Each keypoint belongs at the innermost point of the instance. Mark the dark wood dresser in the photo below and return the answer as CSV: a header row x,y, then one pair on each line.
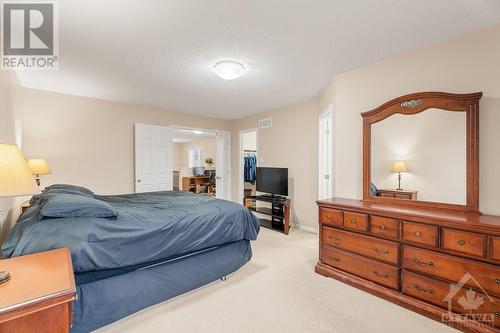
x,y
419,258
440,259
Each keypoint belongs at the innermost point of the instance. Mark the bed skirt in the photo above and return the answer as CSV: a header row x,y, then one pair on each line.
x,y
104,301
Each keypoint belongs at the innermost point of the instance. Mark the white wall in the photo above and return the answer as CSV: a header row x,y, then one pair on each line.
x,y
467,64
10,132
432,144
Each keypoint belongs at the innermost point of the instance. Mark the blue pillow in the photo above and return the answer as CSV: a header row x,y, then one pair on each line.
x,y
68,189
70,205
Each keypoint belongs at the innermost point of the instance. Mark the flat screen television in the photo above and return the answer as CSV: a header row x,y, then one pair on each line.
x,y
272,180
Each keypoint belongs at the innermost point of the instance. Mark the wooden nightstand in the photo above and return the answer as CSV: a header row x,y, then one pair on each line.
x,y
398,194
39,295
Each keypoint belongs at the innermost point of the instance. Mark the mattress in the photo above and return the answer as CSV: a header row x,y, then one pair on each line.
x,y
149,227
106,300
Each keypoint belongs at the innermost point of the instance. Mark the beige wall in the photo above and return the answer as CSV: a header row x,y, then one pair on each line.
x,y
91,142
292,142
10,132
207,150
467,64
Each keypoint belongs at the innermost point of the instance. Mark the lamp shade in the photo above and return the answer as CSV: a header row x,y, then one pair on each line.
x,y
38,166
15,176
399,166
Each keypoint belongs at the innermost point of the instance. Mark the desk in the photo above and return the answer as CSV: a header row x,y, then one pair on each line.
x,y
194,182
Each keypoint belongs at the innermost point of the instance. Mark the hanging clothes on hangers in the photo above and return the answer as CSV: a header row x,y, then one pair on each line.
x,y
250,169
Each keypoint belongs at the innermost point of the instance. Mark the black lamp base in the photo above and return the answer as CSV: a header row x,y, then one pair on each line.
x,y
4,277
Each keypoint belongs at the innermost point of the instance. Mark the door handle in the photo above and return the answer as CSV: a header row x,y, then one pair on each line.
x,y
138,180
218,177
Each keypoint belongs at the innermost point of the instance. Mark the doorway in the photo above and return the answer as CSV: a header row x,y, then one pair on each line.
x,y
248,162
182,159
325,181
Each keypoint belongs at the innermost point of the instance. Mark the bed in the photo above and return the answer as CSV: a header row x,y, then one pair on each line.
x,y
134,250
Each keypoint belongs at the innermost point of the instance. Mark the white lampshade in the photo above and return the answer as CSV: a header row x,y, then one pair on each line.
x,y
38,166
15,176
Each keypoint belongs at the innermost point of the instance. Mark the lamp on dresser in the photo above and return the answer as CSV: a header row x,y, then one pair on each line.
x,y
38,167
398,167
15,179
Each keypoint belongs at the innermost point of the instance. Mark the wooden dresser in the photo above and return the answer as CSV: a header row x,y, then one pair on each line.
x,y
412,255
39,295
399,194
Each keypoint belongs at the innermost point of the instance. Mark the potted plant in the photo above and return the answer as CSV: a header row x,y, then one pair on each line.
x,y
209,162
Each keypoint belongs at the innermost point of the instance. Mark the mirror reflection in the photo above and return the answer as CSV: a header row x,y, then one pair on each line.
x,y
420,157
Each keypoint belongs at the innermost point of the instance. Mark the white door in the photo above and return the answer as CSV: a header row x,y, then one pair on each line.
x,y
325,184
222,165
153,158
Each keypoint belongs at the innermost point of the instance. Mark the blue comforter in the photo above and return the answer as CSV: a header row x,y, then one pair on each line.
x,y
149,226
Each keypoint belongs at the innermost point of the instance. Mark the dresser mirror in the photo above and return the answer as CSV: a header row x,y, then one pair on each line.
x,y
422,149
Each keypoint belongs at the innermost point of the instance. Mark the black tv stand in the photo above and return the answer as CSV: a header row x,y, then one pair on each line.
x,y
279,212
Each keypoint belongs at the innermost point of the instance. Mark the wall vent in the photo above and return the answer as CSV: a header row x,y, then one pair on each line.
x,y
266,123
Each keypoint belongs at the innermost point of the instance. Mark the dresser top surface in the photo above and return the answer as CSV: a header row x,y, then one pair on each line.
x,y
36,278
463,219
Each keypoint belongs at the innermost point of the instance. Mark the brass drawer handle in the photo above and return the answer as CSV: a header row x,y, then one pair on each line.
x,y
386,251
422,263
418,234
331,237
382,227
461,242
497,281
353,222
385,276
427,291
333,258
329,217
497,313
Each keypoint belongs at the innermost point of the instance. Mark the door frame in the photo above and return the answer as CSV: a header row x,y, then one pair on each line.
x,y
241,154
327,111
214,131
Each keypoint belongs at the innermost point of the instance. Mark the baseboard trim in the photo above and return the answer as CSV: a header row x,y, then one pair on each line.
x,y
306,228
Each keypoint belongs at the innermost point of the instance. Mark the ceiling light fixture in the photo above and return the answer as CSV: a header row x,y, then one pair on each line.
x,y
229,69
198,132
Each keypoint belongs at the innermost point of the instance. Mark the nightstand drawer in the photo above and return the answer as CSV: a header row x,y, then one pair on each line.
x,y
330,216
384,226
464,242
420,233
378,272
355,221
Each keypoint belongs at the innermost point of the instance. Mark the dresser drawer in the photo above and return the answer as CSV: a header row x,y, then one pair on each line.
x,y
420,233
384,226
330,216
463,242
495,248
356,221
437,292
452,268
368,246
375,271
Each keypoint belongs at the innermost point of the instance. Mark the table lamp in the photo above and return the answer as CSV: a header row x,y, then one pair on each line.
x,y
15,180
398,167
38,167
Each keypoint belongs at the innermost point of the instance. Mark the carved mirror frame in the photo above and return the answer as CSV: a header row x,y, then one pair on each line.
x,y
416,103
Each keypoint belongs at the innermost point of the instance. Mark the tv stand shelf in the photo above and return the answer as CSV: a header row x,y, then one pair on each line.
x,y
279,212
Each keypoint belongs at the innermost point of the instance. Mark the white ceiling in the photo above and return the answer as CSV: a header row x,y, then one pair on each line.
x,y
160,52
185,135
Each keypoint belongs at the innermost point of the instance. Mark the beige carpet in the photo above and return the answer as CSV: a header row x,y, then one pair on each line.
x,y
277,291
